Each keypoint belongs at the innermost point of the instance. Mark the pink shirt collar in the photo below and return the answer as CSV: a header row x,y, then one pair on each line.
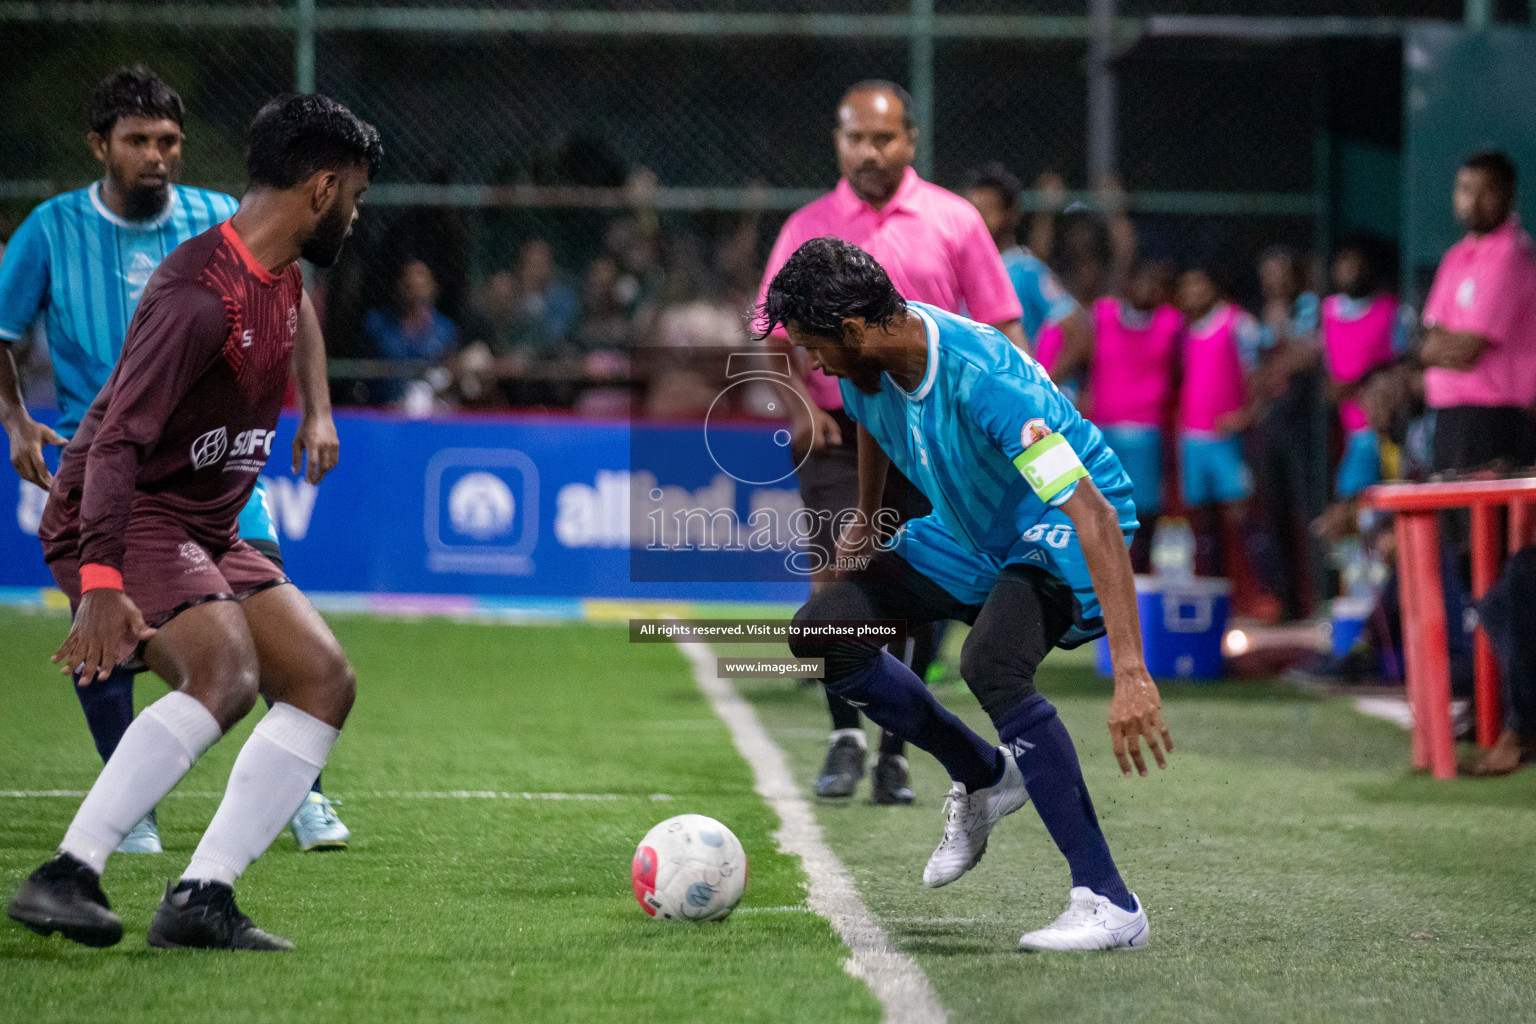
x,y
849,204
1505,232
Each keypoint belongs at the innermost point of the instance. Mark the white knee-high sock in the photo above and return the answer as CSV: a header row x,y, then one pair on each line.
x,y
153,755
271,777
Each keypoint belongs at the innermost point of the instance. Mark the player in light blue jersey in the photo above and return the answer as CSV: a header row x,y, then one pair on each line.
x,y
78,265
1027,542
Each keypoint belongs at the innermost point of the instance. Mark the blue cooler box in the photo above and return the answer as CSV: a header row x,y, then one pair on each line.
x,y
1182,625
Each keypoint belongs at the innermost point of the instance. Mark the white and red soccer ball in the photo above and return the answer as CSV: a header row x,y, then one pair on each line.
x,y
689,868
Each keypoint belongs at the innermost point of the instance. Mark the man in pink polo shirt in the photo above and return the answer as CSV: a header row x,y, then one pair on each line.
x,y
1479,351
1480,321
936,249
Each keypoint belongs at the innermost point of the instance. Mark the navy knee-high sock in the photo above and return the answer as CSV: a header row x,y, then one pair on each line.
x,y
894,698
1048,761
108,706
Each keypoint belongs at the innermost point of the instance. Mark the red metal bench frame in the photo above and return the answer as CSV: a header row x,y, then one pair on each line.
x,y
1423,607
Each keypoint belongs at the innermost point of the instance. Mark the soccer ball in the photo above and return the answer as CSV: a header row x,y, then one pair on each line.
x,y
689,868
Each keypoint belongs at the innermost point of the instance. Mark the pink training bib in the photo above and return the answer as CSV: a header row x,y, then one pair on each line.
x,y
1132,367
1213,371
1355,346
1048,345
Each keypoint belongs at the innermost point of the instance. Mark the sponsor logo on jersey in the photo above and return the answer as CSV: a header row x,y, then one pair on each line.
x,y
137,275
293,320
209,448
249,442
1035,430
1466,292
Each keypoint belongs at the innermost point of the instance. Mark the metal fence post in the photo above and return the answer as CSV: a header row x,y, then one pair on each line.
x,y
1478,14
921,85
1101,91
304,46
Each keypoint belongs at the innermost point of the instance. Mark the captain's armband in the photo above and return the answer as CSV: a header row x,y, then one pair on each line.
x,y
1050,466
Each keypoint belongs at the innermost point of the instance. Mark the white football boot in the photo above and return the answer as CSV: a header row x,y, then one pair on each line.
x,y
969,819
1092,922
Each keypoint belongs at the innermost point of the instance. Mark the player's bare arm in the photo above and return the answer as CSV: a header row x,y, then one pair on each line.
x,y
317,430
1076,346
1135,711
1013,330
1451,350
859,536
106,629
26,435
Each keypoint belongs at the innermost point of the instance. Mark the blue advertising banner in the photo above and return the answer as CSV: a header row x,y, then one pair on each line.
x,y
503,506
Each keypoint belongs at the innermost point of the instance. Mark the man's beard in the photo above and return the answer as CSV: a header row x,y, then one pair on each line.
x,y
865,373
324,246
144,202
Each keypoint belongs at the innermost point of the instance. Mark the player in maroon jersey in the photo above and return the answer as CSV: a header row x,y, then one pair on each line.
x,y
140,533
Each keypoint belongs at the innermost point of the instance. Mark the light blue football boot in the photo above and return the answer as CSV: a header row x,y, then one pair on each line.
x,y
143,837
315,825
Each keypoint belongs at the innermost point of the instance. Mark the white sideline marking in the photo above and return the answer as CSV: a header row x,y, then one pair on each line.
x,y
895,979
391,794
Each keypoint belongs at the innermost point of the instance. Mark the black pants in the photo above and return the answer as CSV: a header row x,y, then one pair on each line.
x,y
1508,613
1469,437
1293,483
1027,611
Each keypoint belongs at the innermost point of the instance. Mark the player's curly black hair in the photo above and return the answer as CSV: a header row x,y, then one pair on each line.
x,y
131,92
293,137
825,282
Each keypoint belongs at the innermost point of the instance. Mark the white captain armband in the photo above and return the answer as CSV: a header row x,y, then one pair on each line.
x,y
1051,467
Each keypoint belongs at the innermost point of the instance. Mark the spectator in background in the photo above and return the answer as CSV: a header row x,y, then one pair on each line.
x,y
1480,352
1130,381
604,321
683,373
1059,335
526,315
1480,327
1293,445
1363,327
1091,250
547,306
413,328
1219,399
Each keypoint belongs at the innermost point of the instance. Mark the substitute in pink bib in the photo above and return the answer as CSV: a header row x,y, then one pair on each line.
x,y
1133,362
1130,378
1358,336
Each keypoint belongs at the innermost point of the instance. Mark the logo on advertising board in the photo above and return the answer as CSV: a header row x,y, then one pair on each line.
x,y
482,511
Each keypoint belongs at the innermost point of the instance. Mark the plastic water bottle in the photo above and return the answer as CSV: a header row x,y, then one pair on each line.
x,y
1173,548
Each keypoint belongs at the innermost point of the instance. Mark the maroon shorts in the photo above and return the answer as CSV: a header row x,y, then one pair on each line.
x,y
165,571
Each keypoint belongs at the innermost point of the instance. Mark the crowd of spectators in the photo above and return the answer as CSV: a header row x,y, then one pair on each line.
x,y
531,332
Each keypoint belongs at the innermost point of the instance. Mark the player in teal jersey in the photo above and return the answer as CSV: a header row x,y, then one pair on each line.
x,y
78,264
1027,542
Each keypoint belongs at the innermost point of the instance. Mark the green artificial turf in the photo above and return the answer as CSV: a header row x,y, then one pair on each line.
x,y
443,909
1292,866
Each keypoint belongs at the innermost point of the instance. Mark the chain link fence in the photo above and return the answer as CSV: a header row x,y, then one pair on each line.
x,y
565,171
